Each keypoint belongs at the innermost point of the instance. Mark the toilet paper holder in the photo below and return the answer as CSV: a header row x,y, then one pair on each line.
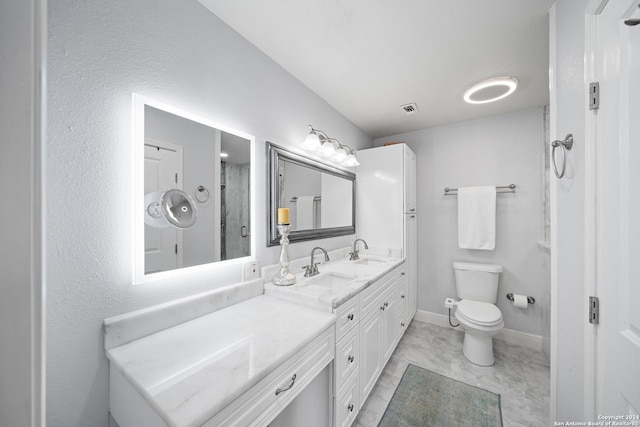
x,y
530,300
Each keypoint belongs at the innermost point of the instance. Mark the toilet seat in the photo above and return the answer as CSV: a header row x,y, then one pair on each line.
x,y
478,313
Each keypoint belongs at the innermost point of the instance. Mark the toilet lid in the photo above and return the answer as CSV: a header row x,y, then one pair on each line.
x,y
478,312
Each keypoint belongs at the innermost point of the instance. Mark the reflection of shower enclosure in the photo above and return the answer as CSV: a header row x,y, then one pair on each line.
x,y
223,210
234,210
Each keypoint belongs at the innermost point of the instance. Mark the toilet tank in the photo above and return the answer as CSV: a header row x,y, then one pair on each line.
x,y
476,281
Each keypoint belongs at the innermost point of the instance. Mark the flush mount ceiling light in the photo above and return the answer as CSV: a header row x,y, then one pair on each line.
x,y
491,90
319,143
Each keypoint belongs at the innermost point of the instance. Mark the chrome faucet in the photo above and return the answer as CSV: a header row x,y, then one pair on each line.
x,y
312,268
353,256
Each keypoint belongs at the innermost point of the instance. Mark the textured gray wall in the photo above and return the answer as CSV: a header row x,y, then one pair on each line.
x,y
177,52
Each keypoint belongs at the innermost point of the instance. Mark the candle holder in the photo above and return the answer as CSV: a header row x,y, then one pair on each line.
x,y
284,277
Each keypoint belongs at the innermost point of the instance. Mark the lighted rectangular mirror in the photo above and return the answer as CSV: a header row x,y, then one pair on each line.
x,y
207,216
320,197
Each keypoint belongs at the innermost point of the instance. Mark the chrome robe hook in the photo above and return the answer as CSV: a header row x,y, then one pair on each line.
x,y
565,144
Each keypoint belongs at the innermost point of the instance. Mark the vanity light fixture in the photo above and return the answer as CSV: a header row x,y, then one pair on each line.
x,y
318,142
223,155
491,90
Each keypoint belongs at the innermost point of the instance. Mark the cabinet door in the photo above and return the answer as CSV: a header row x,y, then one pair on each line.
x,y
411,245
409,181
389,325
370,354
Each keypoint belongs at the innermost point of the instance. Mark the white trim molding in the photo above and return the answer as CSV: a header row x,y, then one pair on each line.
x,y
592,12
23,36
507,335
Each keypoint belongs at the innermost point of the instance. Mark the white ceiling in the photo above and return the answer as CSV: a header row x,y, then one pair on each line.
x,y
366,58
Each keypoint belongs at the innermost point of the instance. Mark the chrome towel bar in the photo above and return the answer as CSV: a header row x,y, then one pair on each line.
x,y
502,189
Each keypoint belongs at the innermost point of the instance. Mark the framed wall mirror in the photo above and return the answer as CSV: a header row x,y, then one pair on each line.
x,y
194,192
320,197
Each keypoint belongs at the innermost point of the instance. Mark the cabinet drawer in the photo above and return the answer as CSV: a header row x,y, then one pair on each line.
x,y
403,293
347,404
402,319
260,404
371,297
348,316
347,358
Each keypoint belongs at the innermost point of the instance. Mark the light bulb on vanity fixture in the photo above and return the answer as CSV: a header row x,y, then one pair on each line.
x,y
320,144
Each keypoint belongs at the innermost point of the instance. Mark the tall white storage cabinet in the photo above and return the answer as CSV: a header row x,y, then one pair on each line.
x,y
386,207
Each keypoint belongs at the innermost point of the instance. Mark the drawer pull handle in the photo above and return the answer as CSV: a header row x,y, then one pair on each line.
x,y
351,359
402,324
382,308
282,390
350,317
386,304
350,407
402,296
402,274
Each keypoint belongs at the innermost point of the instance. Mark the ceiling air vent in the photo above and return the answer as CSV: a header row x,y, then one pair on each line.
x,y
410,108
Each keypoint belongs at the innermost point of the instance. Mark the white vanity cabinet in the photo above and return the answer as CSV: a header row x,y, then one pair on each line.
x,y
269,397
365,346
372,313
347,362
404,313
239,366
380,328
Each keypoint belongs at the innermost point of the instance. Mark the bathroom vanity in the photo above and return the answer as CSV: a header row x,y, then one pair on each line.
x,y
237,357
241,365
369,297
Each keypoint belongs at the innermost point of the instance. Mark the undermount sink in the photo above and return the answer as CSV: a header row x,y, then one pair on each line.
x,y
371,261
331,280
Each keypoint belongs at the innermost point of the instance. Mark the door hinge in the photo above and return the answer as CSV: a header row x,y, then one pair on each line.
x,y
176,248
176,177
594,310
594,95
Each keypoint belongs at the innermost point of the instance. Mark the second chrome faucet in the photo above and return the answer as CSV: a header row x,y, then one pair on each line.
x,y
353,256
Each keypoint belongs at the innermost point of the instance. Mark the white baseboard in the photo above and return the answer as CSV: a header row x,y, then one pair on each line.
x,y
508,335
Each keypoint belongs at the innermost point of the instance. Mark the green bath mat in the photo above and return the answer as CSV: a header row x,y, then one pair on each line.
x,y
424,398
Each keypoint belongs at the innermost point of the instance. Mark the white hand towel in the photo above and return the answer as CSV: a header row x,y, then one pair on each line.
x,y
477,217
305,213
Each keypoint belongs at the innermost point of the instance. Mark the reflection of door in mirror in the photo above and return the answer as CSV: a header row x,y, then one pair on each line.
x,y
162,171
200,163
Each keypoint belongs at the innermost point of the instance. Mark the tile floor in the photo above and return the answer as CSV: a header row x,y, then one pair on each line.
x,y
520,375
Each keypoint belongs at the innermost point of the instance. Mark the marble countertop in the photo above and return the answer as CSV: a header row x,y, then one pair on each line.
x,y
189,372
314,295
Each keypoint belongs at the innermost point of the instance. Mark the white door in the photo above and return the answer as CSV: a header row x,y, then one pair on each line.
x,y
162,171
617,68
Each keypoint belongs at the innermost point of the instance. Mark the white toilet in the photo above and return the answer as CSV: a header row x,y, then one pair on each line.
x,y
477,288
